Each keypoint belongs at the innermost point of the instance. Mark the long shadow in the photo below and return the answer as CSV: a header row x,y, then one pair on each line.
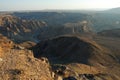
x,y
64,50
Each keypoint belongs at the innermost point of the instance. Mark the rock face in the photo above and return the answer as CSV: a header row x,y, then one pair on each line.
x,y
20,64
16,28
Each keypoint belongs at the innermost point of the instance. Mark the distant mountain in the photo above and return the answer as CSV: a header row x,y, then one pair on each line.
x,y
98,20
19,29
114,10
52,18
81,27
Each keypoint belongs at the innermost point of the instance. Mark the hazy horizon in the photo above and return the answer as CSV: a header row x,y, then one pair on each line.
x,y
15,5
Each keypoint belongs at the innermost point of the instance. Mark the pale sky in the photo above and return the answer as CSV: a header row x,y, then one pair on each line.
x,y
13,5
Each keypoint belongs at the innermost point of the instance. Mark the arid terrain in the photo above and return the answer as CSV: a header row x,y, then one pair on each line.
x,y
59,45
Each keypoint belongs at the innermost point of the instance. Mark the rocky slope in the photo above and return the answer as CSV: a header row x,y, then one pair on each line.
x,y
18,29
99,62
20,64
72,57
77,56
73,48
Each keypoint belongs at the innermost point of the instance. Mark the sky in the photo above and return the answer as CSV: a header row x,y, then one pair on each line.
x,y
16,5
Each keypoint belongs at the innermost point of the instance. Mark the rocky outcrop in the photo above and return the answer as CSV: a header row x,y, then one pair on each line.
x,y
20,64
